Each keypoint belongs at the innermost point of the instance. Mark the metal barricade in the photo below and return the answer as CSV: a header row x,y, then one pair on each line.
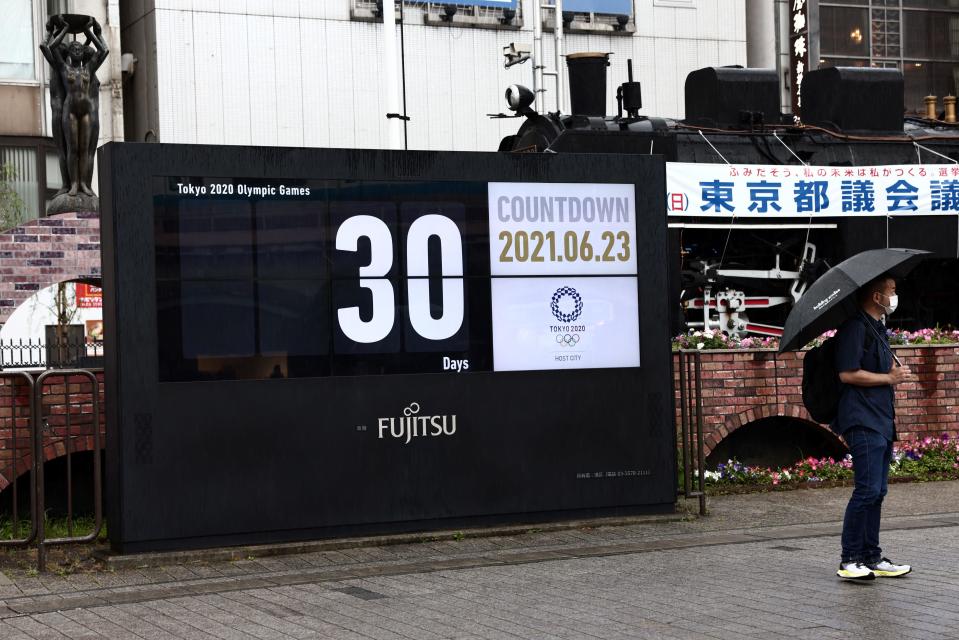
x,y
10,455
74,414
67,435
692,443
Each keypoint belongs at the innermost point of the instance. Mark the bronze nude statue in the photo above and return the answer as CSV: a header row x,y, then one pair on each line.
x,y
75,102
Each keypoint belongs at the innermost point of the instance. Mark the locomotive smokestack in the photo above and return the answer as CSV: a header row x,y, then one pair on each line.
x,y
587,83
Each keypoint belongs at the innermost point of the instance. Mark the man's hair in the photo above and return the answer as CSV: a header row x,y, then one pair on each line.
x,y
876,285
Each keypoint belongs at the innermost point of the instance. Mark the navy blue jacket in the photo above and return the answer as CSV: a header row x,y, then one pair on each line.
x,y
871,407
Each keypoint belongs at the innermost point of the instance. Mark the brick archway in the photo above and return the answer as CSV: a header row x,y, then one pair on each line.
x,y
66,413
772,410
43,252
51,451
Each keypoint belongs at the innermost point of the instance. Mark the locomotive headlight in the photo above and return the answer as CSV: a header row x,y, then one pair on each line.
x,y
519,98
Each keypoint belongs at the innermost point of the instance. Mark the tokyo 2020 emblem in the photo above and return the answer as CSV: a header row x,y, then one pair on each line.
x,y
574,299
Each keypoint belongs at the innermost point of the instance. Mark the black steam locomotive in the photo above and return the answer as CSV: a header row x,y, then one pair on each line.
x,y
742,276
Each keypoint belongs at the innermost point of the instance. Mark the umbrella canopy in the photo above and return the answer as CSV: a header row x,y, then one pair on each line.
x,y
831,299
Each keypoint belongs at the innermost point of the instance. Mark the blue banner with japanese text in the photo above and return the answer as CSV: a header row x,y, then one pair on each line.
x,y
775,191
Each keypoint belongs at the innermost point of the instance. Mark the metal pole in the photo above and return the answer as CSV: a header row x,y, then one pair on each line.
x,y
406,136
560,53
37,422
684,421
394,126
538,56
700,445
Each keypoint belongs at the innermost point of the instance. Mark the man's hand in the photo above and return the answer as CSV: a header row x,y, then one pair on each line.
x,y
898,374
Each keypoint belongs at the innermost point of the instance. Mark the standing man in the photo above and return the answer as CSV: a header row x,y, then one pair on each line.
x,y
866,421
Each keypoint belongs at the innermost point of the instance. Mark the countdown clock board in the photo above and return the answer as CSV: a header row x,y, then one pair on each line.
x,y
305,343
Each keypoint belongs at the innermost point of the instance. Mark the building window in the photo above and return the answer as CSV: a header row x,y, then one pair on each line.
x,y
32,171
16,41
844,32
921,37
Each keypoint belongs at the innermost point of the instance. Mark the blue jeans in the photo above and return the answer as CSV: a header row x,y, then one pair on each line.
x,y
871,455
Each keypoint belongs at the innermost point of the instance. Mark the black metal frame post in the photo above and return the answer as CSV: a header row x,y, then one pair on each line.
x,y
691,429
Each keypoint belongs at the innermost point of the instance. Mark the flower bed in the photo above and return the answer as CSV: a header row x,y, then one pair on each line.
x,y
922,460
718,340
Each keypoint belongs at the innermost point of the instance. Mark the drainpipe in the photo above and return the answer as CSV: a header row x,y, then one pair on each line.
x,y
112,33
538,56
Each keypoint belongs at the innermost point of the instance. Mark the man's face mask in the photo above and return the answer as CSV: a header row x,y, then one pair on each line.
x,y
893,303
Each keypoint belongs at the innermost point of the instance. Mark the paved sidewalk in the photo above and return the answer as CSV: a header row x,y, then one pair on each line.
x,y
760,566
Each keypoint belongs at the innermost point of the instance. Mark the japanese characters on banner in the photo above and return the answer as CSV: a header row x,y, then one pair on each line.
x,y
764,191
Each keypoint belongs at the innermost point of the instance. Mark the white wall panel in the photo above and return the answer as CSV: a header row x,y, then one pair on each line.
x,y
315,9
644,53
705,20
644,18
438,85
340,79
668,84
490,87
177,5
208,71
664,22
707,53
732,52
463,69
289,82
687,59
178,42
368,83
166,85
263,86
729,22
301,72
417,97
230,7
316,94
237,101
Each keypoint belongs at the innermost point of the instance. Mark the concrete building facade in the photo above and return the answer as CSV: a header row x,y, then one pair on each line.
x,y
309,73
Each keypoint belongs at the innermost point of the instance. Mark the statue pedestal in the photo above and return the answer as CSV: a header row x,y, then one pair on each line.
x,y
65,203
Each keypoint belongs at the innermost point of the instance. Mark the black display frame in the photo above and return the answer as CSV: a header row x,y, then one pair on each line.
x,y
199,464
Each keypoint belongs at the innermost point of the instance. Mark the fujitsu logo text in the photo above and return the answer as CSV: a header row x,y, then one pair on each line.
x,y
411,425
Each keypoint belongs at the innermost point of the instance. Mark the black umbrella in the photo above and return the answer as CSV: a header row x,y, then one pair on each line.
x,y
831,299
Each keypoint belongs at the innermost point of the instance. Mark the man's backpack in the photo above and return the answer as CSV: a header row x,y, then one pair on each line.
x,y
821,387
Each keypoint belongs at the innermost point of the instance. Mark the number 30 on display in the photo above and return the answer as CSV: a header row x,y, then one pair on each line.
x,y
374,277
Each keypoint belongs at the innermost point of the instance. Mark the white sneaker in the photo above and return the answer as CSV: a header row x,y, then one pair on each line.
x,y
855,571
885,568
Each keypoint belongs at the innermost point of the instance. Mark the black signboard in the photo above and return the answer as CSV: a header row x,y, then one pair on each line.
x,y
306,343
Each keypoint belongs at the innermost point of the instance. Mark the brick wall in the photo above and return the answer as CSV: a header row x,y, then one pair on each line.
x,y
739,387
742,386
67,418
43,252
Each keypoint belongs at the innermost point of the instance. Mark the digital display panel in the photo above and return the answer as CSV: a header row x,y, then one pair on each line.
x,y
277,278
310,343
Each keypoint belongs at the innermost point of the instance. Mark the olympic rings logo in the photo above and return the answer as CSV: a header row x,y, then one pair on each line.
x,y
561,293
568,339
412,410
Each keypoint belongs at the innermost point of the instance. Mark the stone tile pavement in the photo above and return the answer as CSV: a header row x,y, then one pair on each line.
x,y
760,566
